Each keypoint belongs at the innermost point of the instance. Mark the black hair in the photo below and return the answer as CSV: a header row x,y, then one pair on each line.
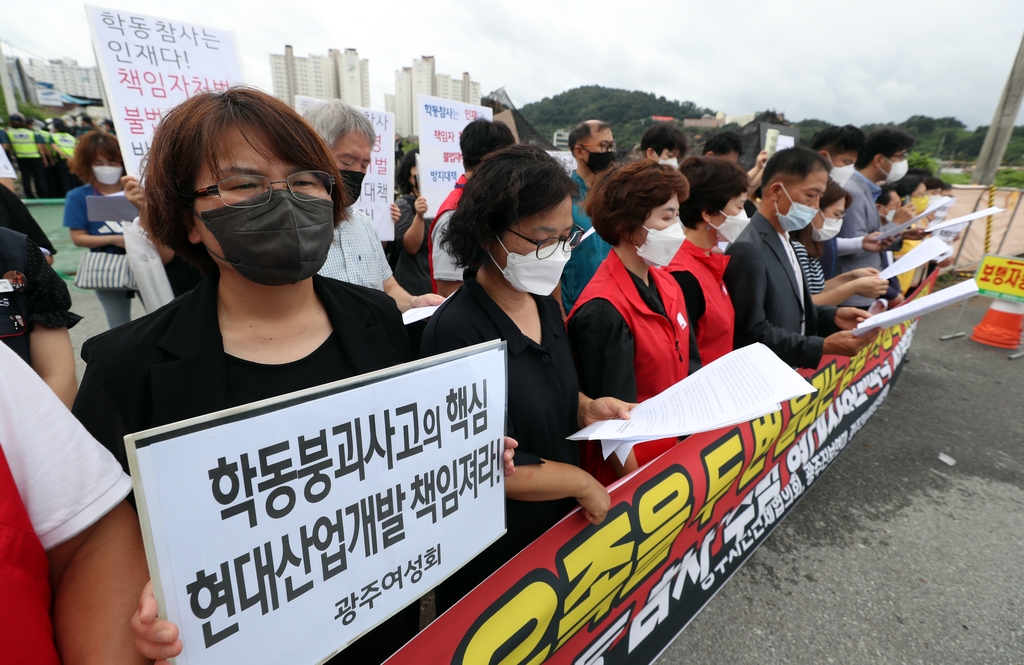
x,y
931,182
723,143
58,125
946,185
919,171
584,130
885,194
885,141
662,136
405,167
482,137
510,184
797,162
906,185
713,183
846,138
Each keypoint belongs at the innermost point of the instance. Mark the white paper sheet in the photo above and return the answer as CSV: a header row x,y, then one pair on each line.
x,y
919,307
966,218
418,314
738,387
927,251
900,228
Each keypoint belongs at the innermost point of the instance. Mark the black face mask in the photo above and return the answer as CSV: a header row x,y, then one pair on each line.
x,y
353,182
599,161
282,242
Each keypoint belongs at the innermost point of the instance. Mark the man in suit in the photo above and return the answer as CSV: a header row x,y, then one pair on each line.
x,y
768,288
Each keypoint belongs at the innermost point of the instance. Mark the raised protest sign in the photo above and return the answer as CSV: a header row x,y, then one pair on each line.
x,y
440,164
379,184
677,530
149,65
281,531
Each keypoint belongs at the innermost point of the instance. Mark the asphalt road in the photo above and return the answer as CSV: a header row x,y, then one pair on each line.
x,y
895,556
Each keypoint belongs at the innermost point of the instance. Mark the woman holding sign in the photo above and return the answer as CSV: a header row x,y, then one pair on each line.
x,y
240,186
513,232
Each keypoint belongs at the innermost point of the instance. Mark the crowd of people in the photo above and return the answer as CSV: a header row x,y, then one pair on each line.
x,y
608,285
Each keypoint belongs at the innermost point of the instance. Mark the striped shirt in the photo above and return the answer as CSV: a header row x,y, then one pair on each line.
x,y
811,267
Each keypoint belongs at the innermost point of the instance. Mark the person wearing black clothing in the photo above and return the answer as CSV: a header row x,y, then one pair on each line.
x,y
412,252
15,215
516,212
35,313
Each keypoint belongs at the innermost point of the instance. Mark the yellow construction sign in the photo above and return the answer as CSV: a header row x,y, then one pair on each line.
x,y
1001,277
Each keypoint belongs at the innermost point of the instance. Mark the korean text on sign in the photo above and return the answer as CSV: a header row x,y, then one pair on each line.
x,y
323,512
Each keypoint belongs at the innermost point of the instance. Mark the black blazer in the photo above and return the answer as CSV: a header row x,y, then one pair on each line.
x,y
767,301
169,365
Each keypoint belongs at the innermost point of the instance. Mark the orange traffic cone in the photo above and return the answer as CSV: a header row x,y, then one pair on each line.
x,y
1001,326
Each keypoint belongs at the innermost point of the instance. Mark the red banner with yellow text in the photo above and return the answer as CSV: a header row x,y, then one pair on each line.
x,y
678,529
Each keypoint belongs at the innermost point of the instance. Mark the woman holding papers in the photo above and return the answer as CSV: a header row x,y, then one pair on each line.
x,y
809,244
712,213
629,327
513,232
239,185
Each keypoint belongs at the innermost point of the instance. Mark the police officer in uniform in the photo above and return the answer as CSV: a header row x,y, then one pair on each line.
x,y
63,150
33,157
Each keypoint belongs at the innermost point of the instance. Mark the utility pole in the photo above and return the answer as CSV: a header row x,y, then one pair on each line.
x,y
999,132
10,102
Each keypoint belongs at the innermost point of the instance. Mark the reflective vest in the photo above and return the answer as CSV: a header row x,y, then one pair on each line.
x,y
65,143
450,203
715,328
13,297
26,630
24,143
661,344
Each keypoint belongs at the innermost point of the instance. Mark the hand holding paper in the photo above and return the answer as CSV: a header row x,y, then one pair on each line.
x,y
891,231
919,307
928,250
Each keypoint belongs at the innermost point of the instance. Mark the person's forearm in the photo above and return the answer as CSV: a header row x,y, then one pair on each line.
x,y
835,295
413,239
82,238
53,359
401,297
97,577
546,482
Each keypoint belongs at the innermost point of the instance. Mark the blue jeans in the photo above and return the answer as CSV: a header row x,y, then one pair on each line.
x,y
117,306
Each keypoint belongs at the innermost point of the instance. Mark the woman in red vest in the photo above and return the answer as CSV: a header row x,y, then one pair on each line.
x,y
712,213
628,328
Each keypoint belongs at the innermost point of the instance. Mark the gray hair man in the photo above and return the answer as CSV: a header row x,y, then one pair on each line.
x,y
356,255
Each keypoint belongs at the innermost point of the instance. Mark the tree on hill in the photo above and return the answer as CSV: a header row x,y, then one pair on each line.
x,y
624,109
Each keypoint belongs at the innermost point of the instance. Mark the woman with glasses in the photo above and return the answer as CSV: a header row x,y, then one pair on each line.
x,y
628,328
513,232
239,185
809,245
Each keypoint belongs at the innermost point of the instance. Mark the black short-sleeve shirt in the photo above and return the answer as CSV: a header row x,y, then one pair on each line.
x,y
543,398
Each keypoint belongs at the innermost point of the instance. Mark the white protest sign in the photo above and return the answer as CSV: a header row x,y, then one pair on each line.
x,y
281,531
149,65
6,169
379,184
440,164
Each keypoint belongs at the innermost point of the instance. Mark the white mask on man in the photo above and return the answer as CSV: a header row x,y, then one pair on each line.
x,y
842,174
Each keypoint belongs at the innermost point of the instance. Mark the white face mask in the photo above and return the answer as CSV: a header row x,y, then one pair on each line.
x,y
108,175
889,216
897,171
733,226
842,174
660,247
671,161
828,230
530,274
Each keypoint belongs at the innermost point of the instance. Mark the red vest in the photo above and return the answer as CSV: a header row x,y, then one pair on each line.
x,y
26,633
451,202
715,328
661,344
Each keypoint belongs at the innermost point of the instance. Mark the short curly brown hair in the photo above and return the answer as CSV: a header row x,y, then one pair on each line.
x,y
713,183
89,147
622,198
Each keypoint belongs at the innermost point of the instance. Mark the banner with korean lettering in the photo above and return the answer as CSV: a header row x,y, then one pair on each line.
x,y
677,530
149,65
440,164
378,190
281,531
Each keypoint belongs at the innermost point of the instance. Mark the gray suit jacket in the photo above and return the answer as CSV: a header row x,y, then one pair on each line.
x,y
860,219
768,302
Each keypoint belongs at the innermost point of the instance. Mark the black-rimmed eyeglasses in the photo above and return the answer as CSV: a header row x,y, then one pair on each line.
x,y
547,247
249,191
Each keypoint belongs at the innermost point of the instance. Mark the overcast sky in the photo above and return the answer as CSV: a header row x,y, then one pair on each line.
x,y
858,62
